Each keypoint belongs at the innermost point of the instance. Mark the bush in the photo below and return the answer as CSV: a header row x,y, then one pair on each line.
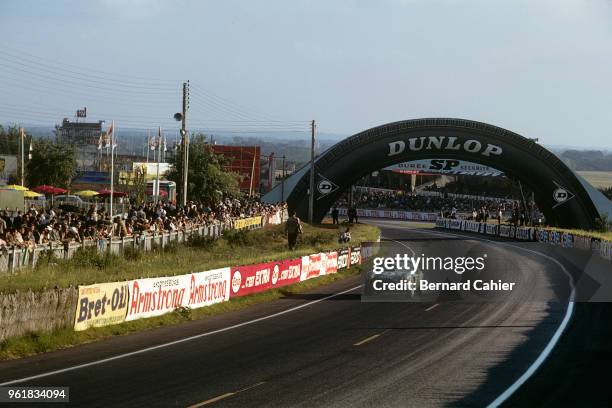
x,y
237,238
201,242
183,312
46,257
317,239
89,257
132,254
604,224
171,247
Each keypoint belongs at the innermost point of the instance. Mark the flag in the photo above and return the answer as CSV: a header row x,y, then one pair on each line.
x,y
110,137
165,145
152,143
107,138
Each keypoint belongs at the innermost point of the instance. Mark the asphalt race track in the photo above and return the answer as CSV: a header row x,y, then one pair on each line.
x,y
334,352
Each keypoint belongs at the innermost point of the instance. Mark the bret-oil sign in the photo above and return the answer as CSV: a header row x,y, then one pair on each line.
x,y
101,304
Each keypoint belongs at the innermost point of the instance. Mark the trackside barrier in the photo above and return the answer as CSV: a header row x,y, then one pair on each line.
x,y
490,229
506,231
456,224
524,233
471,226
392,214
605,250
105,304
13,259
545,235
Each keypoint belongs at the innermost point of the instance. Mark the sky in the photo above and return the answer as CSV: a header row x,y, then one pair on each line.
x,y
539,68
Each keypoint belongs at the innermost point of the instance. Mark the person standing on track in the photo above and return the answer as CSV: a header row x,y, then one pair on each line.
x,y
335,214
293,227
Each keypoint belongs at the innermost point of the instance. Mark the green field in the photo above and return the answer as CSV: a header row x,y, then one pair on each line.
x,y
599,179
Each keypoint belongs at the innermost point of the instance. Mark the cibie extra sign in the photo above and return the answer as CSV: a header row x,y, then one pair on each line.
x,y
446,143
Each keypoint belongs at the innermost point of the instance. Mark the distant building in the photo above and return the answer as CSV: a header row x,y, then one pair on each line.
x,y
243,160
8,167
84,137
80,133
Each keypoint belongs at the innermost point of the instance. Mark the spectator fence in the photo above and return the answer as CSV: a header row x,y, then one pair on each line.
x,y
12,259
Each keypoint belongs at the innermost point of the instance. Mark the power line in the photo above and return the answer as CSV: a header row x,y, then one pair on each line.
x,y
38,59
90,78
21,75
86,84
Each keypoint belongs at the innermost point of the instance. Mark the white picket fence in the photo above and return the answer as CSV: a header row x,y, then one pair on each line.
x,y
13,259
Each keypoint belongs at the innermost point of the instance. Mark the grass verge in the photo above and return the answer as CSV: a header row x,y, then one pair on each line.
x,y
41,342
199,254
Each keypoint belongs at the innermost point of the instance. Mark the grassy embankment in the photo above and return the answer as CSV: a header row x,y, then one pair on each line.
x,y
236,248
201,255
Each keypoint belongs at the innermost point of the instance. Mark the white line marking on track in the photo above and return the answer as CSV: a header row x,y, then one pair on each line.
x,y
359,343
556,336
223,396
432,307
172,343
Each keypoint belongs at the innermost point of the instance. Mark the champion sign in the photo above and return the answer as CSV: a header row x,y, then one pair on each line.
x,y
416,144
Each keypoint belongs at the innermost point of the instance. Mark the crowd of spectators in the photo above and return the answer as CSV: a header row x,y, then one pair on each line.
x,y
40,226
479,209
417,202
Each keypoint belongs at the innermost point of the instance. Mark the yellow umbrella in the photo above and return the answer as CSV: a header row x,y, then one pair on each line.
x,y
31,194
16,187
87,193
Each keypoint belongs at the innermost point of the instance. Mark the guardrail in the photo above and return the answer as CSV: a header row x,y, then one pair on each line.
x,y
545,235
391,214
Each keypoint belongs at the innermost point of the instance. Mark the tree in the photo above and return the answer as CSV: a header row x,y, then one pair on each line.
x,y
52,163
137,182
9,140
208,181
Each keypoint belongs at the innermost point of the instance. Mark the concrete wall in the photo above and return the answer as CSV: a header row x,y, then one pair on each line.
x,y
24,312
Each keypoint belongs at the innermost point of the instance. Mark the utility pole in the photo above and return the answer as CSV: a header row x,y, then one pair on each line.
x,y
156,189
312,174
22,145
148,144
185,140
112,169
283,181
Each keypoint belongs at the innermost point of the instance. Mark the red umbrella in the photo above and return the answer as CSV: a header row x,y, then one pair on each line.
x,y
107,193
44,189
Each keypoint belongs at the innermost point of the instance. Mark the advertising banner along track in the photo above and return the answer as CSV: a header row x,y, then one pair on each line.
x,y
249,279
247,222
111,303
157,296
101,304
